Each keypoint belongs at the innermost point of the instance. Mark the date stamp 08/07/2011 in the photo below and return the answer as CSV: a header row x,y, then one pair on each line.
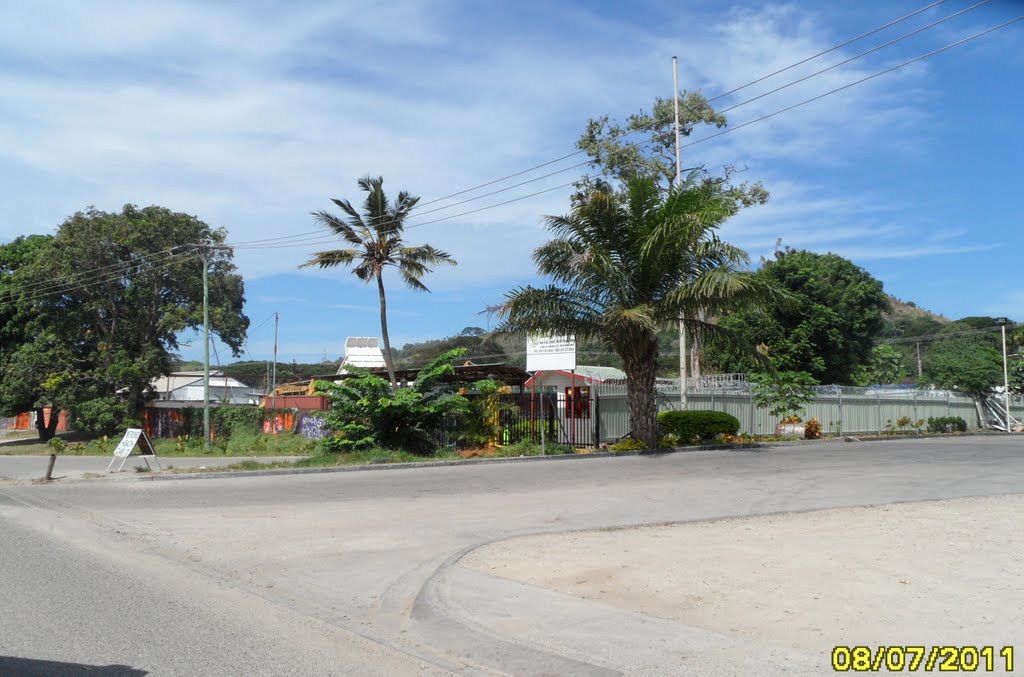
x,y
935,658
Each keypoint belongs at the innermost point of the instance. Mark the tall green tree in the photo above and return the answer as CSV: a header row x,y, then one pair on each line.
x,y
828,333
39,370
616,154
644,144
884,366
376,242
966,364
622,270
110,298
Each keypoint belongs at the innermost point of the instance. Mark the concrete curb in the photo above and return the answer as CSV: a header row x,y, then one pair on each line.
x,y
748,446
454,462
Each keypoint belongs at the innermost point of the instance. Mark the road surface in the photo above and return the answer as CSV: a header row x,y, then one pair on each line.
x,y
355,573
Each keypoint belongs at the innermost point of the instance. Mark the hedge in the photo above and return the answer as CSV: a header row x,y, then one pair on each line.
x,y
943,424
698,424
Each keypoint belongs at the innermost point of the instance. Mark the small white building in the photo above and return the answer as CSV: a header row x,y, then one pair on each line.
x,y
561,381
187,386
362,351
574,398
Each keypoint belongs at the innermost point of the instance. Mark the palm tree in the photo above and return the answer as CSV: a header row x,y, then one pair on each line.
x,y
376,242
625,266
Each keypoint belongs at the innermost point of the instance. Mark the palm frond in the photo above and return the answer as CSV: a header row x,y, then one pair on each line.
x,y
331,258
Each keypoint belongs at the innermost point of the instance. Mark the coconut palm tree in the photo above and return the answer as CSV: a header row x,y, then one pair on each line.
x,y
625,266
376,242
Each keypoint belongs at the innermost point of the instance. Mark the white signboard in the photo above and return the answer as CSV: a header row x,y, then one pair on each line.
x,y
133,438
128,442
550,352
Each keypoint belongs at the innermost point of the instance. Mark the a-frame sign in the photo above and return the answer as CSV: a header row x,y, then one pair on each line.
x,y
134,438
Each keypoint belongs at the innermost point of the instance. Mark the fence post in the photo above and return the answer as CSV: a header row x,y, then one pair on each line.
x,y
840,421
712,399
597,418
947,404
751,399
915,406
878,411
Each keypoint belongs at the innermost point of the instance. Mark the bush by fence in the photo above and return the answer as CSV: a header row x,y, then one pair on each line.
x,y
698,425
947,424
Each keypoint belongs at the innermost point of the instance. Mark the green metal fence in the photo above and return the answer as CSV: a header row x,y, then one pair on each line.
x,y
839,409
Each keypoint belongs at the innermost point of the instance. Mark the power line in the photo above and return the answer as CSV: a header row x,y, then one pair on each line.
x,y
329,238
85,274
66,287
857,82
858,56
653,122
829,50
925,338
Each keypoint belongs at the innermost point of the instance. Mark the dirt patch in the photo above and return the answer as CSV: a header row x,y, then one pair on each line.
x,y
944,572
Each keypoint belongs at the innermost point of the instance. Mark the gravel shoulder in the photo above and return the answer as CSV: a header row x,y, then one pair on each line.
x,y
936,572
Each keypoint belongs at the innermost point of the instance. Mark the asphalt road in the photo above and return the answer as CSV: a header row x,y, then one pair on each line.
x,y
19,468
351,573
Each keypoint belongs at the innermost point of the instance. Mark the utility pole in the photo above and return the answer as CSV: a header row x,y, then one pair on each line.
x,y
918,344
205,256
1002,322
273,380
682,326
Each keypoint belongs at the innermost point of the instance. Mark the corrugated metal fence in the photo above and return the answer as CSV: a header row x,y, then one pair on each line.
x,y
839,409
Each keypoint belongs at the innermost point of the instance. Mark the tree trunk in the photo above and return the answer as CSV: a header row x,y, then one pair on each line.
x,y
384,332
47,429
695,349
640,394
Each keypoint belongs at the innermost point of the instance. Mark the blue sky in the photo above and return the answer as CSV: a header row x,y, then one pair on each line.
x,y
251,115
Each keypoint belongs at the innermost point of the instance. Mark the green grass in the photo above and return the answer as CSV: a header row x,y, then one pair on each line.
x,y
370,456
240,444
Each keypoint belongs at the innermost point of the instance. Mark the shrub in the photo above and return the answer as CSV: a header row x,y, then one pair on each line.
x,y
783,392
627,444
365,413
812,429
944,424
688,426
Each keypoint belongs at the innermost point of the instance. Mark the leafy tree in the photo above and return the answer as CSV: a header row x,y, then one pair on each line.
x,y
376,243
614,151
623,269
884,366
365,412
108,301
644,145
828,333
783,392
967,364
1016,373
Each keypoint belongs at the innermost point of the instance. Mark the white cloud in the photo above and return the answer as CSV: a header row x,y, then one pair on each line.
x,y
252,118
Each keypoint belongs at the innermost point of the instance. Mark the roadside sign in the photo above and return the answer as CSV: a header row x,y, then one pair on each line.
x,y
550,352
134,438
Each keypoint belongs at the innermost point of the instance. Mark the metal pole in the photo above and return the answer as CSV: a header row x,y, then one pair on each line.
x,y
543,421
682,327
205,255
918,344
273,379
1006,381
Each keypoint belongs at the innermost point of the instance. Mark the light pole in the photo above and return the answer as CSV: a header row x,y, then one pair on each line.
x,y
1002,322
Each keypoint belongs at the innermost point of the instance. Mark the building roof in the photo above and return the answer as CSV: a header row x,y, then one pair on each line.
x,y
588,374
180,379
362,351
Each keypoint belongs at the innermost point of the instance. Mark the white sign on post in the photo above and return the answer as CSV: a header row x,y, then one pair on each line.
x,y
550,352
134,438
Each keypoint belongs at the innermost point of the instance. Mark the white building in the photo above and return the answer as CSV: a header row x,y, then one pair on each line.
x,y
187,387
583,376
362,351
